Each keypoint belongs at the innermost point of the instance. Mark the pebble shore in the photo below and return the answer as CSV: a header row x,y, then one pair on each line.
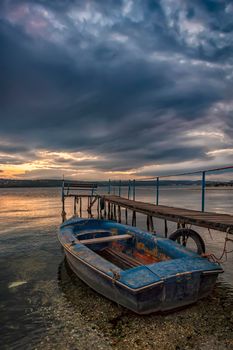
x,y
79,318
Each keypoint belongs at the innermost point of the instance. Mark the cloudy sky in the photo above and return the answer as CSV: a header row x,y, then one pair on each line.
x,y
120,89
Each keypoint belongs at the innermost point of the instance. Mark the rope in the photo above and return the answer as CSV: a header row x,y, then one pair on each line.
x,y
210,234
212,257
116,276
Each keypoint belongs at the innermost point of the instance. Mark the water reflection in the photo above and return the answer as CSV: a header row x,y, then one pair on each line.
x,y
41,313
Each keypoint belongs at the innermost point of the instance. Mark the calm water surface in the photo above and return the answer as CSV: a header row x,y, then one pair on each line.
x,y
31,259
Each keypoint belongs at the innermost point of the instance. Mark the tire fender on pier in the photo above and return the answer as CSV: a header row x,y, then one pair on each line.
x,y
182,235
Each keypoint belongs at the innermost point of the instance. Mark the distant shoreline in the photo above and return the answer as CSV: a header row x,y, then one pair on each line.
x,y
52,183
193,187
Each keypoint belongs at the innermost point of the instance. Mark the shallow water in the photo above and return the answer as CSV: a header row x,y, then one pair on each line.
x,y
39,294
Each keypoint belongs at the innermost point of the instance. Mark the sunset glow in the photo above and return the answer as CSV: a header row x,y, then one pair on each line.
x,y
98,90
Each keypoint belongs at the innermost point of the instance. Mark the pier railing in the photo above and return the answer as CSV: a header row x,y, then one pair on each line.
x,y
77,191
115,186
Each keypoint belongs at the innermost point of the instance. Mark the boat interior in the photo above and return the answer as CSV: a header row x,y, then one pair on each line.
x,y
122,248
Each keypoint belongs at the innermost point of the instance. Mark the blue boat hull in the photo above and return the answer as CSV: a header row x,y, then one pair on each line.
x,y
179,281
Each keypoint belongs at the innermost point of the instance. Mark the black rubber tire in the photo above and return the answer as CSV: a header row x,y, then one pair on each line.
x,y
187,232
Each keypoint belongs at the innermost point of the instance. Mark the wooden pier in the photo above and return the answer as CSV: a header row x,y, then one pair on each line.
x,y
124,210
215,221
110,207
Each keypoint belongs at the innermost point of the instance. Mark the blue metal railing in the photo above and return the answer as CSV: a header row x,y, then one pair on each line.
x,y
132,183
157,191
203,184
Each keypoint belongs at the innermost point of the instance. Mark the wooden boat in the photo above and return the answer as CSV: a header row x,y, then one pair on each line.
x,y
138,270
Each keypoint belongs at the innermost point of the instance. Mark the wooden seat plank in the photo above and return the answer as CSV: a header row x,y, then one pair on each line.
x,y
105,239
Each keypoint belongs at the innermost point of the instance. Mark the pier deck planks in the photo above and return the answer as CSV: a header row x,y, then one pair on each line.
x,y
216,221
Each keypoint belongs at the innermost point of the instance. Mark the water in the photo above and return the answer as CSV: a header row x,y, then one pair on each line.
x,y
37,289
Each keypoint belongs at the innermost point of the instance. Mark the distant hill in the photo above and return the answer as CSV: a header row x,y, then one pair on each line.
x,y
30,183
6,183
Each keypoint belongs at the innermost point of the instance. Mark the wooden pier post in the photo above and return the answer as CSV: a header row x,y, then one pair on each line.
x,y
80,206
114,212
105,213
126,216
98,207
75,213
147,223
89,207
119,214
109,211
63,213
165,228
134,218
150,224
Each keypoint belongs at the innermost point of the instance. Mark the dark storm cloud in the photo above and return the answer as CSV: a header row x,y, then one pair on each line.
x,y
12,149
120,79
171,155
